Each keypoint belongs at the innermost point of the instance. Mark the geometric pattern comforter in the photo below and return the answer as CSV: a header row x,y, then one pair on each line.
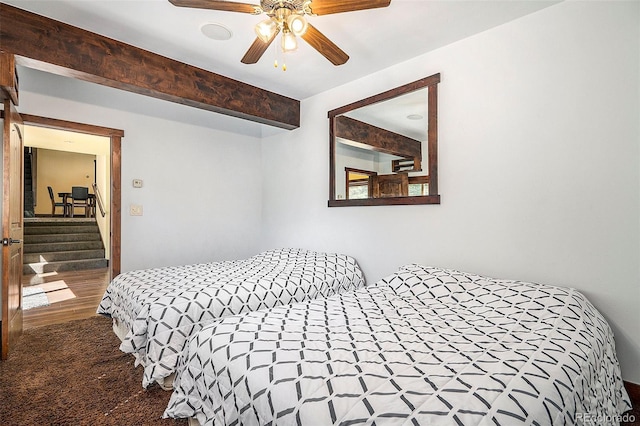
x,y
162,307
424,346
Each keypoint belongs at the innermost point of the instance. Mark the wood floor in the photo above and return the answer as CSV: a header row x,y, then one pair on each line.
x,y
72,295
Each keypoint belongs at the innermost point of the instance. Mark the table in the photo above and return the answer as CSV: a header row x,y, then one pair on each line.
x,y
91,201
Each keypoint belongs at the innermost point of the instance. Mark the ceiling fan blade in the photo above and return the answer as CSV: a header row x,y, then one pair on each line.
x,y
257,49
326,47
228,6
326,7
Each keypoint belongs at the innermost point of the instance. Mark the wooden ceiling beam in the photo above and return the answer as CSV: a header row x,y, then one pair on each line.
x,y
48,45
376,138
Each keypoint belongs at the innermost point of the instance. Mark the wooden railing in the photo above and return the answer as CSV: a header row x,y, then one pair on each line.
x,y
99,201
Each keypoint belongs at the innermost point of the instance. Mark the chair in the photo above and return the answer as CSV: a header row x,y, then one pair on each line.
x,y
80,198
54,204
92,205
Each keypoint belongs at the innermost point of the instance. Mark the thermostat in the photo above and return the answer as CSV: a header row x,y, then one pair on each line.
x,y
137,183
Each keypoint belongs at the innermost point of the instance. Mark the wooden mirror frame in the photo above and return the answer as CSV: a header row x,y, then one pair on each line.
x,y
431,83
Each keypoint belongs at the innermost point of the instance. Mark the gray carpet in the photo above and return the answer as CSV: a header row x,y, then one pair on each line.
x,y
74,374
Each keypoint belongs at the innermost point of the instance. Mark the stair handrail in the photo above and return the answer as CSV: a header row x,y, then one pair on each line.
x,y
99,201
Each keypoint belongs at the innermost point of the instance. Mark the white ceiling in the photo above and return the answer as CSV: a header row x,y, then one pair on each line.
x,y
62,140
374,39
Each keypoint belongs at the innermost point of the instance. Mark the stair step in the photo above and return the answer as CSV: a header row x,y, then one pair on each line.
x,y
73,265
59,221
51,247
58,256
62,244
60,238
76,229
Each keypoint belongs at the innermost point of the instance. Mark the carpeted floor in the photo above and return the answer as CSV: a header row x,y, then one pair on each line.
x,y
74,374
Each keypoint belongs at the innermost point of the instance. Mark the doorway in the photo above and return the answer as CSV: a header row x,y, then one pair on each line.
x,y
106,190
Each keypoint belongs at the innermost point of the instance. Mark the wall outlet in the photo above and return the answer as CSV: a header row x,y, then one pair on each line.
x,y
135,210
137,183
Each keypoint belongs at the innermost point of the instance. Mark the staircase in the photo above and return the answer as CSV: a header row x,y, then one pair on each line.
x,y
62,244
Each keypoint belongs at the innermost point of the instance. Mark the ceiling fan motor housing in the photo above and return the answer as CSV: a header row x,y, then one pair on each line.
x,y
297,6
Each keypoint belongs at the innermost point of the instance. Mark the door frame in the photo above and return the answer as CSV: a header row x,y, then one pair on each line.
x,y
115,209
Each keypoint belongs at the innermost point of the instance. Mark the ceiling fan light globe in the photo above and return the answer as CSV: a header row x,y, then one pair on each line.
x,y
289,42
297,24
266,29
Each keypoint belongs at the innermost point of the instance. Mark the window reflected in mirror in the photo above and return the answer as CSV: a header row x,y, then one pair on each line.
x,y
384,148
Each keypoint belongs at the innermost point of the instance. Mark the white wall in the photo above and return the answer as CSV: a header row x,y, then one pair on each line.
x,y
103,183
539,159
201,196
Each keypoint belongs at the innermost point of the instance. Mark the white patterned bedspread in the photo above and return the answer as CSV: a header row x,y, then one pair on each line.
x,y
162,307
424,346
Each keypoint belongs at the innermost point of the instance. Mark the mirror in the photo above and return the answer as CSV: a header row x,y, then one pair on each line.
x,y
384,149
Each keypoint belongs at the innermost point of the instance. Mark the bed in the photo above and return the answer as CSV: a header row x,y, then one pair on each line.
x,y
154,311
424,346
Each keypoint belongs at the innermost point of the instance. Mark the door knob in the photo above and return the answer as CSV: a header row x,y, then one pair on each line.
x,y
9,241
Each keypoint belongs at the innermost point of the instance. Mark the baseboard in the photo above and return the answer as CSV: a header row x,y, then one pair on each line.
x,y
634,393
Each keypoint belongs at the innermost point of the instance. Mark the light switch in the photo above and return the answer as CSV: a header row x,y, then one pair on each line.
x,y
137,183
135,210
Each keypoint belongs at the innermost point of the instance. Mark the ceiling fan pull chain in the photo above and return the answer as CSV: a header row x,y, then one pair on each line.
x,y
278,54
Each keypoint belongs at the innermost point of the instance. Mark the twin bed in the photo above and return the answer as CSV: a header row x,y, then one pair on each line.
x,y
155,311
422,346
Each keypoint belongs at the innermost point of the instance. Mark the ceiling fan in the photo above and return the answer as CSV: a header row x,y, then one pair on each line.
x,y
289,18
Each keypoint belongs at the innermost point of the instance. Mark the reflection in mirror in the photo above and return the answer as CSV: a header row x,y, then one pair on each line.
x,y
359,183
384,148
